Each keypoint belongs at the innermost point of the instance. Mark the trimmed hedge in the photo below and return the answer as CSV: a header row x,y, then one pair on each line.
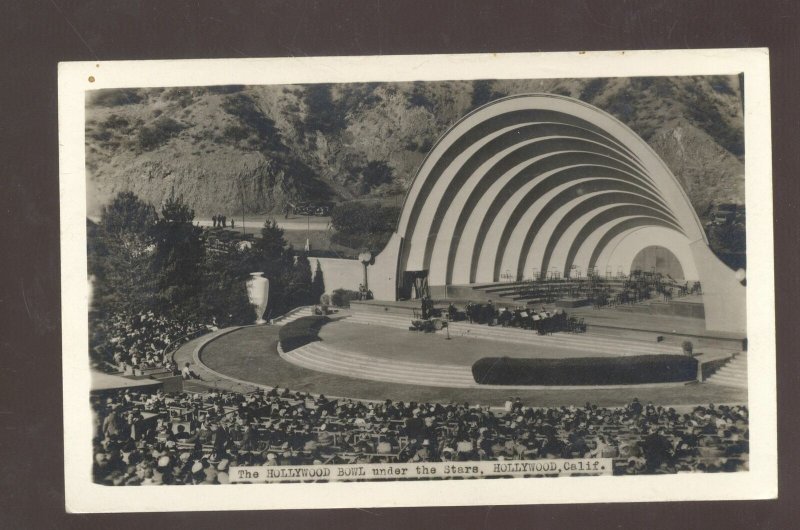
x,y
301,332
343,297
638,369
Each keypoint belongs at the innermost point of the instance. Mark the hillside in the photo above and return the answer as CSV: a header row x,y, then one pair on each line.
x,y
259,147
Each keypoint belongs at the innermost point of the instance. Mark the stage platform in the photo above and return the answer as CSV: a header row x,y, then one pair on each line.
x,y
615,321
247,359
637,322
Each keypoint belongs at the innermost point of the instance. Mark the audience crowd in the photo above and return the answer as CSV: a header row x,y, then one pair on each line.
x,y
144,438
126,341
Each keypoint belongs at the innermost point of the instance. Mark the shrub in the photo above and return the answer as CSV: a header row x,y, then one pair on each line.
x,y
323,114
117,97
301,332
481,92
360,225
158,133
593,89
235,133
116,123
720,85
639,369
705,112
377,172
621,105
358,217
342,297
252,116
182,96
225,89
418,98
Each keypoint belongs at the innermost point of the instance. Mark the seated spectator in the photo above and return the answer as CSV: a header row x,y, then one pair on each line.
x,y
187,373
280,427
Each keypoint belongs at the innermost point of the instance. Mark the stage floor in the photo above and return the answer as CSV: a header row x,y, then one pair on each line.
x,y
399,344
248,359
391,343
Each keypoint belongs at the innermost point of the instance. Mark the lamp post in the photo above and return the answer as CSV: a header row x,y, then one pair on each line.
x,y
365,258
241,195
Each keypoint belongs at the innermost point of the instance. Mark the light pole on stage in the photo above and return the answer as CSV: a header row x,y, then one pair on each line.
x,y
308,230
365,258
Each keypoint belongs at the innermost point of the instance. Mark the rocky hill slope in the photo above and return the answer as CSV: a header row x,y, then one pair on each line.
x,y
261,147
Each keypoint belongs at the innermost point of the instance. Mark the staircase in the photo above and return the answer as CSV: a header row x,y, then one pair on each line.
x,y
734,373
320,357
294,314
590,343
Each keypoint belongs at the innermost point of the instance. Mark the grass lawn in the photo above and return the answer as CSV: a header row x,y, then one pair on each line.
x,y
251,354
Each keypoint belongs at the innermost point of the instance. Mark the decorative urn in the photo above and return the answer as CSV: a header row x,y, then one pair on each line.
x,y
258,293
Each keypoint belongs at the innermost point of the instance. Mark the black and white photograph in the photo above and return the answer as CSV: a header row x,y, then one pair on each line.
x,y
417,280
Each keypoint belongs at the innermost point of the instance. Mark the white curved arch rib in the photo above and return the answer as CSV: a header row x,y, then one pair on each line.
x,y
641,174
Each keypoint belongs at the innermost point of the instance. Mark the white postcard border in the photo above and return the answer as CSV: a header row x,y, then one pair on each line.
x,y
75,79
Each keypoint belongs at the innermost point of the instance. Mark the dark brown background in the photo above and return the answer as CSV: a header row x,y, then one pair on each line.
x,y
35,35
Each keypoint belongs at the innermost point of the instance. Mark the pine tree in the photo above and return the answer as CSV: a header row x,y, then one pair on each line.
x,y
299,292
272,251
120,255
224,297
178,259
273,256
317,285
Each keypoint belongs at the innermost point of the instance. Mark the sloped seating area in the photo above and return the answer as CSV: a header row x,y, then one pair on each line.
x,y
132,344
155,438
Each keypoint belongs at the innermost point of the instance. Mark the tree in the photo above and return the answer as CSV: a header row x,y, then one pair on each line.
x,y
224,298
377,172
317,285
299,288
481,92
363,226
128,218
178,259
273,254
255,121
323,114
273,257
120,255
